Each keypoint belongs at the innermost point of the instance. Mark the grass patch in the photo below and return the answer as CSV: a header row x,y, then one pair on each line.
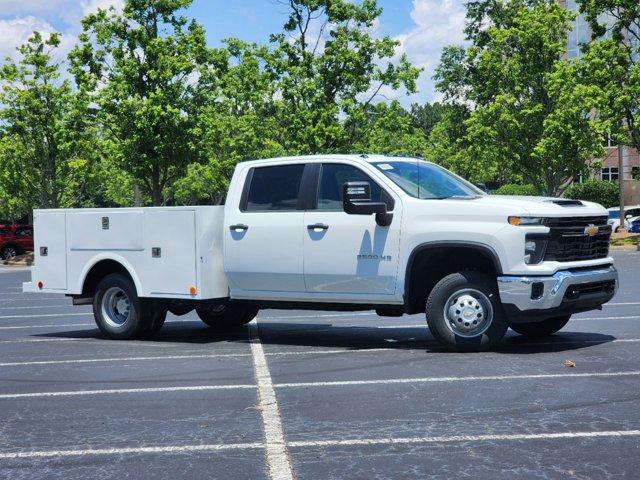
x,y
625,240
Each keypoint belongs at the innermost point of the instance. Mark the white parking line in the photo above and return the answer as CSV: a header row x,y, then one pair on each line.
x,y
463,438
50,325
178,449
41,307
272,420
43,315
541,376
122,359
277,454
133,450
116,391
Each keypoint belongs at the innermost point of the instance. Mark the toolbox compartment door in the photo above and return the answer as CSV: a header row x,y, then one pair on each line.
x,y
171,252
50,250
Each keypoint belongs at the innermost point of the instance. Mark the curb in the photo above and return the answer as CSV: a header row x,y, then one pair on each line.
x,y
626,248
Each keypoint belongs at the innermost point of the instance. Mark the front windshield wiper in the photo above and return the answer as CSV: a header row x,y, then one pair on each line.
x,y
455,197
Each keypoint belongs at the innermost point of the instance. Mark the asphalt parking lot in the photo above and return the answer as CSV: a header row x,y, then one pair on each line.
x,y
315,395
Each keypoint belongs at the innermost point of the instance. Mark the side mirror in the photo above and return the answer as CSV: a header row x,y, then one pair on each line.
x,y
356,200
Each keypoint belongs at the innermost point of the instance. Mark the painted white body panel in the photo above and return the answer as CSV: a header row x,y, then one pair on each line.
x,y
278,258
190,239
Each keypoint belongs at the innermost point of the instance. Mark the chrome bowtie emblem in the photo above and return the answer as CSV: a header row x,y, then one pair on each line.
x,y
591,230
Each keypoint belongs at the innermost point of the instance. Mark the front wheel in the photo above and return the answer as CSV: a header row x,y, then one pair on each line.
x,y
541,329
464,312
226,315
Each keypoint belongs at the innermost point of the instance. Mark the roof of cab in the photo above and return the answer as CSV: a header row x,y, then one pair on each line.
x,y
371,158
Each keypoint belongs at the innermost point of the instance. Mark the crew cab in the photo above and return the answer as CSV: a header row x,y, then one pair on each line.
x,y
335,232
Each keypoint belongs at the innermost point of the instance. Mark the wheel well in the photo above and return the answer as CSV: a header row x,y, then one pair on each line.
x,y
98,272
428,265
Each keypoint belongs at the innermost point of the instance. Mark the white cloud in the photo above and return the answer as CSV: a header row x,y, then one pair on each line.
x,y
15,32
438,23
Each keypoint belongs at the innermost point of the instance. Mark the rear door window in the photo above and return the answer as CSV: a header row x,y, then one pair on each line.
x,y
273,188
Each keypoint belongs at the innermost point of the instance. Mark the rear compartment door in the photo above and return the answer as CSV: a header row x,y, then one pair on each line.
x,y
50,250
172,268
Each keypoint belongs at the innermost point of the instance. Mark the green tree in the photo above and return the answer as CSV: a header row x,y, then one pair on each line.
x,y
327,68
146,70
44,134
427,116
527,111
612,64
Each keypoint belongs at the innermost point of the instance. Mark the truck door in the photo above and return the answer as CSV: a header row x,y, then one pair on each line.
x,y
263,232
349,254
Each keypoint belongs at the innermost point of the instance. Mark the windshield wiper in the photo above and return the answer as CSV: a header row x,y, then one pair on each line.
x,y
455,197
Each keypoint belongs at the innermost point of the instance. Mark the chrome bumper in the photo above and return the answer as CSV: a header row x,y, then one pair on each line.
x,y
517,290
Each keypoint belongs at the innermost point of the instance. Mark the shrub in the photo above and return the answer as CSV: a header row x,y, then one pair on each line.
x,y
605,193
516,189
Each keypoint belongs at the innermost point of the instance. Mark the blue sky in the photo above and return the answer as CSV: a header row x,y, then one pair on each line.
x,y
422,27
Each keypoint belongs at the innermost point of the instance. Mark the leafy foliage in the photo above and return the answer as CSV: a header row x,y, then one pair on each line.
x,y
605,193
526,111
516,189
44,134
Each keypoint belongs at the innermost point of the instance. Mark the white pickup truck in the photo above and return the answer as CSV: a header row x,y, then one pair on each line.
x,y
335,232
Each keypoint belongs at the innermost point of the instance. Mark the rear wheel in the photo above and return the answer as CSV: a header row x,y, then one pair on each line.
x,y
464,313
120,314
541,329
226,315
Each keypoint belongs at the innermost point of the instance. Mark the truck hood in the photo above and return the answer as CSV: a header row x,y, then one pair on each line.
x,y
543,206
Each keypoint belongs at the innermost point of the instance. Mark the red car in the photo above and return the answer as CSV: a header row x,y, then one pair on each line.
x,y
15,240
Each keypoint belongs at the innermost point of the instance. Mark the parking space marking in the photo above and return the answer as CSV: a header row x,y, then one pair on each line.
x,y
131,451
277,454
116,391
50,325
178,449
42,315
269,406
122,359
463,438
41,307
480,378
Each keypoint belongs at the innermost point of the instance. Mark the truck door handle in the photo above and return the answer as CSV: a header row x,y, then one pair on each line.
x,y
239,228
318,226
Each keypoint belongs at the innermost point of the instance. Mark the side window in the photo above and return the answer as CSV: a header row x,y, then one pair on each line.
x,y
274,188
24,232
334,175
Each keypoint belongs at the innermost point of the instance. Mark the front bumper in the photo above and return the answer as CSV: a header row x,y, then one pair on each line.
x,y
565,292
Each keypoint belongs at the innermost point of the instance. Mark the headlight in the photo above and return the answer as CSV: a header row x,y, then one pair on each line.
x,y
524,221
534,249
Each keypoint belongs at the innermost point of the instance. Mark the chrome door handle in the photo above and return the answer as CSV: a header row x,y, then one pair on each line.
x,y
239,228
318,226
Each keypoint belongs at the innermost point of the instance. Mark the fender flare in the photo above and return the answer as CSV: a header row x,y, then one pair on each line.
x,y
480,247
113,257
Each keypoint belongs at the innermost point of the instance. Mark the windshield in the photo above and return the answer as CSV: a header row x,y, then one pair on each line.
x,y
427,181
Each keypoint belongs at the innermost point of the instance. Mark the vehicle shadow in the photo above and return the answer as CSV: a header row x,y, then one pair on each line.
x,y
327,335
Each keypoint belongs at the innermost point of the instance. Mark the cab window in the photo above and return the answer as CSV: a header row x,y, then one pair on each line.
x,y
334,175
273,188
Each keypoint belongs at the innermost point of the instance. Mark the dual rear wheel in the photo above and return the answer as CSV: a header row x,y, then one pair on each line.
x,y
121,315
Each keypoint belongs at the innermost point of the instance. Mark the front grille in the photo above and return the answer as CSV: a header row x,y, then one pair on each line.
x,y
574,292
568,241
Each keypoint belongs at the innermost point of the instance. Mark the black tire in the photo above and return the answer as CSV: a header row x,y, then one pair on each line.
x,y
8,252
541,329
156,311
226,315
483,330
122,315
